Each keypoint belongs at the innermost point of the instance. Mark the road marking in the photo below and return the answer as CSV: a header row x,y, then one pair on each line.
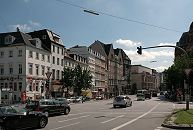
x,y
76,114
65,126
129,122
112,119
74,118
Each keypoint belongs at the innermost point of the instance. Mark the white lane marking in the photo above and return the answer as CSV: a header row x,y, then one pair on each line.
x,y
65,126
74,118
75,114
112,119
129,122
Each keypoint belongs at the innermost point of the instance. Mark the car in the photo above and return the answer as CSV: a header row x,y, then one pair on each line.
x,y
18,117
62,100
99,98
71,99
122,101
48,106
140,97
79,99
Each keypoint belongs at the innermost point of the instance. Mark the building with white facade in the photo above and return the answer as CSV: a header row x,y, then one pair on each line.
x,y
25,60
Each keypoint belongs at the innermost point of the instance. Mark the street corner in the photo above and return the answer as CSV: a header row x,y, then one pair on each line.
x,y
169,122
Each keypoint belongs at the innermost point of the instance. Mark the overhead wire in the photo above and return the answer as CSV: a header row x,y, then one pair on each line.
x,y
122,18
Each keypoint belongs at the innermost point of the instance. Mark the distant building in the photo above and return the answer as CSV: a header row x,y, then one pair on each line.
x,y
144,78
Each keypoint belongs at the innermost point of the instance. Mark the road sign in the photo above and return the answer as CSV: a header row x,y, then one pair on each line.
x,y
187,71
48,74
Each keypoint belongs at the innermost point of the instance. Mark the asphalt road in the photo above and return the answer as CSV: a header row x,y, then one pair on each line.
x,y
100,115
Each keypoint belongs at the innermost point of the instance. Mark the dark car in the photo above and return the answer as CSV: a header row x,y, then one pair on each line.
x,y
48,106
17,117
147,94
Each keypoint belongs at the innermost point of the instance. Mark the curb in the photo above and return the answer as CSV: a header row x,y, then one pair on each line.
x,y
174,126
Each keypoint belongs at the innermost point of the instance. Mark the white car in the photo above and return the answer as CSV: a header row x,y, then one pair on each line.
x,y
71,99
122,101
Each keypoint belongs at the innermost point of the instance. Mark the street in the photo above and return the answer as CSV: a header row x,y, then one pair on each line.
x,y
100,115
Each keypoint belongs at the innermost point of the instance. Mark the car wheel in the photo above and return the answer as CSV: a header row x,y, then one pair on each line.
x,y
114,106
125,105
43,122
131,104
66,111
47,113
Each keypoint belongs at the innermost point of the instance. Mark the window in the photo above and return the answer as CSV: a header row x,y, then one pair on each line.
x,y
58,50
53,73
57,74
15,86
43,57
53,61
44,37
11,86
58,61
48,59
20,53
10,53
20,68
37,86
1,54
62,51
30,68
37,56
6,85
53,48
43,70
2,85
30,54
30,87
20,86
15,97
10,69
48,69
1,69
37,69
62,62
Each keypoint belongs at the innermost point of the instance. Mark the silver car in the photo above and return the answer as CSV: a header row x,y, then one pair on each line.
x,y
122,101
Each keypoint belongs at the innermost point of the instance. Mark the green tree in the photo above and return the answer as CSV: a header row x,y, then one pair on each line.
x,y
78,80
68,79
86,79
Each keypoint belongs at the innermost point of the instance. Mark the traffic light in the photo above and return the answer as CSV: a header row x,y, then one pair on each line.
x,y
139,50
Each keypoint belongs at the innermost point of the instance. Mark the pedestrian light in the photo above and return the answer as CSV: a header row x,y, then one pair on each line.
x,y
139,50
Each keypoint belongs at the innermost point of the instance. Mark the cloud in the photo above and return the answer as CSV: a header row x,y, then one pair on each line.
x,y
25,27
127,43
34,23
162,44
160,68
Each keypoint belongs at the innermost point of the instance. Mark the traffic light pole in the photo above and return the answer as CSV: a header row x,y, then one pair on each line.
x,y
139,51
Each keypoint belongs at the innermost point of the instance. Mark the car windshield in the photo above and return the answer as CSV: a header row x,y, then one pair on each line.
x,y
9,110
119,98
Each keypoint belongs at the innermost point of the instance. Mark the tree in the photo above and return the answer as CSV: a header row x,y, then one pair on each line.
x,y
68,79
86,79
78,80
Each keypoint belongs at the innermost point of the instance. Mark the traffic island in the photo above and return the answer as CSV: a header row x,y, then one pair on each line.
x,y
180,119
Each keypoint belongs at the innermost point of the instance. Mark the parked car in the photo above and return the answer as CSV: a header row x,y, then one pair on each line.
x,y
17,117
122,101
62,100
48,106
140,97
99,98
79,99
71,99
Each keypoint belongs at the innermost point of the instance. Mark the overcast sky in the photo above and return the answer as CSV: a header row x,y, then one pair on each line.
x,y
124,23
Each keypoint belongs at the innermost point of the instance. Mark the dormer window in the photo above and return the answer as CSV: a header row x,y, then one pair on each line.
x,y
9,39
44,37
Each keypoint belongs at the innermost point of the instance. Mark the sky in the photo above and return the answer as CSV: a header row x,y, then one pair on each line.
x,y
126,24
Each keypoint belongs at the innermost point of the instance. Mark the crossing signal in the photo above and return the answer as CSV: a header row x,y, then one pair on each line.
x,y
139,50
